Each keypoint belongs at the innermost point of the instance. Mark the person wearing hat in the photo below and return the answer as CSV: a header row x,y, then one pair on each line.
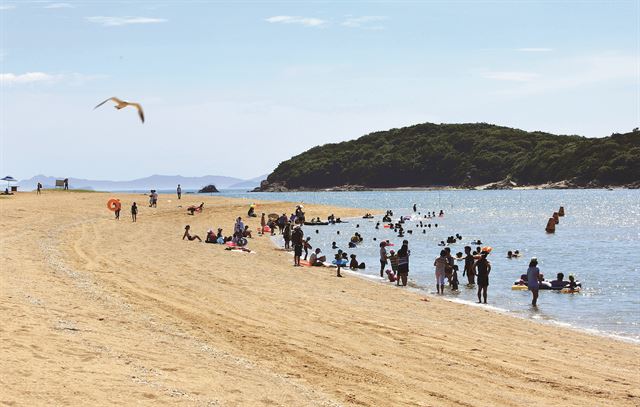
x,y
533,280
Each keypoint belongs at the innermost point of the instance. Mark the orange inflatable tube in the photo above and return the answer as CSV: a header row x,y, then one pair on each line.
x,y
113,204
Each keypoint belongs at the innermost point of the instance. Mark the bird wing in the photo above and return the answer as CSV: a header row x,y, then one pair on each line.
x,y
140,111
115,99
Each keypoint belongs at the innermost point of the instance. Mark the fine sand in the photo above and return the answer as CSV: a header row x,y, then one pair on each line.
x,y
102,312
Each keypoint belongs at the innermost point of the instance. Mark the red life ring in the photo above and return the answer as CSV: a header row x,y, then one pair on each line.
x,y
113,204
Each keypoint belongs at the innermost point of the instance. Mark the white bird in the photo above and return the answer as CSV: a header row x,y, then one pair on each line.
x,y
121,104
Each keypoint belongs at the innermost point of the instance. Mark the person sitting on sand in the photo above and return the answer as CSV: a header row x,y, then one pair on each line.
x,y
247,232
188,235
316,258
211,237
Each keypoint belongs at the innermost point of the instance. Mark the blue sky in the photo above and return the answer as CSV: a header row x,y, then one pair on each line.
x,y
234,88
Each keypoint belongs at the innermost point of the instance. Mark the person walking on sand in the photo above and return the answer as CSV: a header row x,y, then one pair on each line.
x,y
533,280
117,211
297,238
179,191
39,189
383,258
286,235
403,262
483,267
263,223
134,212
66,184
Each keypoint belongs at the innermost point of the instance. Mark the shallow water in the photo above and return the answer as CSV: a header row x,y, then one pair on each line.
x,y
598,241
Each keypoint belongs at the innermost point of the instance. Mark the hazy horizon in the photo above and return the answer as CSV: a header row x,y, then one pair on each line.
x,y
235,88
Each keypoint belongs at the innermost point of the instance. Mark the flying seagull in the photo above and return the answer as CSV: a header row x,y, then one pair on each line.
x,y
121,103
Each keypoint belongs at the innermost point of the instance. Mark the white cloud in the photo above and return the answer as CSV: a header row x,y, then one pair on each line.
x,y
45,78
29,77
59,5
541,49
364,22
119,21
7,7
306,21
512,76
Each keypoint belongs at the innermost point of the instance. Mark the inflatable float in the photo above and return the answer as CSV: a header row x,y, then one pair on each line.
x,y
316,223
545,285
113,204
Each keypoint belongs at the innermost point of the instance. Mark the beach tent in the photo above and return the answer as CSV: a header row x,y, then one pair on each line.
x,y
9,179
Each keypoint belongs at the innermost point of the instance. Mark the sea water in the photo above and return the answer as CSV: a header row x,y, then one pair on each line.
x,y
598,241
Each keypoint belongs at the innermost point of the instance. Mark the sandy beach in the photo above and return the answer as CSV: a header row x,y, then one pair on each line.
x,y
103,312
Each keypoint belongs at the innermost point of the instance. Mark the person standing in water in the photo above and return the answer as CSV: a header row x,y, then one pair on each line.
x,y
383,258
441,266
403,262
483,267
179,191
134,212
533,280
469,268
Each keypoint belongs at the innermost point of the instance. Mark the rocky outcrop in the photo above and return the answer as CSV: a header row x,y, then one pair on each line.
x,y
506,183
208,189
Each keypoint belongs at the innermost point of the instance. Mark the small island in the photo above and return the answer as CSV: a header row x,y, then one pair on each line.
x,y
467,156
208,189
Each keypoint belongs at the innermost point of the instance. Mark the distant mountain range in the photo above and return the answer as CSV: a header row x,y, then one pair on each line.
x,y
159,182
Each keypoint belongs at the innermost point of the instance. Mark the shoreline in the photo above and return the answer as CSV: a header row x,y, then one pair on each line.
x,y
115,312
423,291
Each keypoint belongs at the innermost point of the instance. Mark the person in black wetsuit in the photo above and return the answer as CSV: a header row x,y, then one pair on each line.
x,y
483,267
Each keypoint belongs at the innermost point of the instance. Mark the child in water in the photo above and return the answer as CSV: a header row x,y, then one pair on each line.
x,y
393,259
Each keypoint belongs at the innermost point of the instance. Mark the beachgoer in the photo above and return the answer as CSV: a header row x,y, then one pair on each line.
x,y
247,232
211,237
509,254
286,235
334,245
533,280
403,261
188,235
483,268
353,264
39,189
297,236
134,212
306,246
263,223
440,264
572,282
415,208
117,211
450,264
316,259
66,184
469,268
179,191
383,258
339,262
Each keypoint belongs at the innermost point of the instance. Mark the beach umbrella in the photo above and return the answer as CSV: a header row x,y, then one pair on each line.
x,y
9,179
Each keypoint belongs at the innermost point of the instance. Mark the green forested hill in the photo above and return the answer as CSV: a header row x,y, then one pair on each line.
x,y
463,154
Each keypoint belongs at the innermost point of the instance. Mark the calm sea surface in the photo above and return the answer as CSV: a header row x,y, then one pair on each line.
x,y
598,241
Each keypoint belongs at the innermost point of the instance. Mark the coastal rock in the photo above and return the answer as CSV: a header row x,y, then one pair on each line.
x,y
208,189
266,186
348,187
506,183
